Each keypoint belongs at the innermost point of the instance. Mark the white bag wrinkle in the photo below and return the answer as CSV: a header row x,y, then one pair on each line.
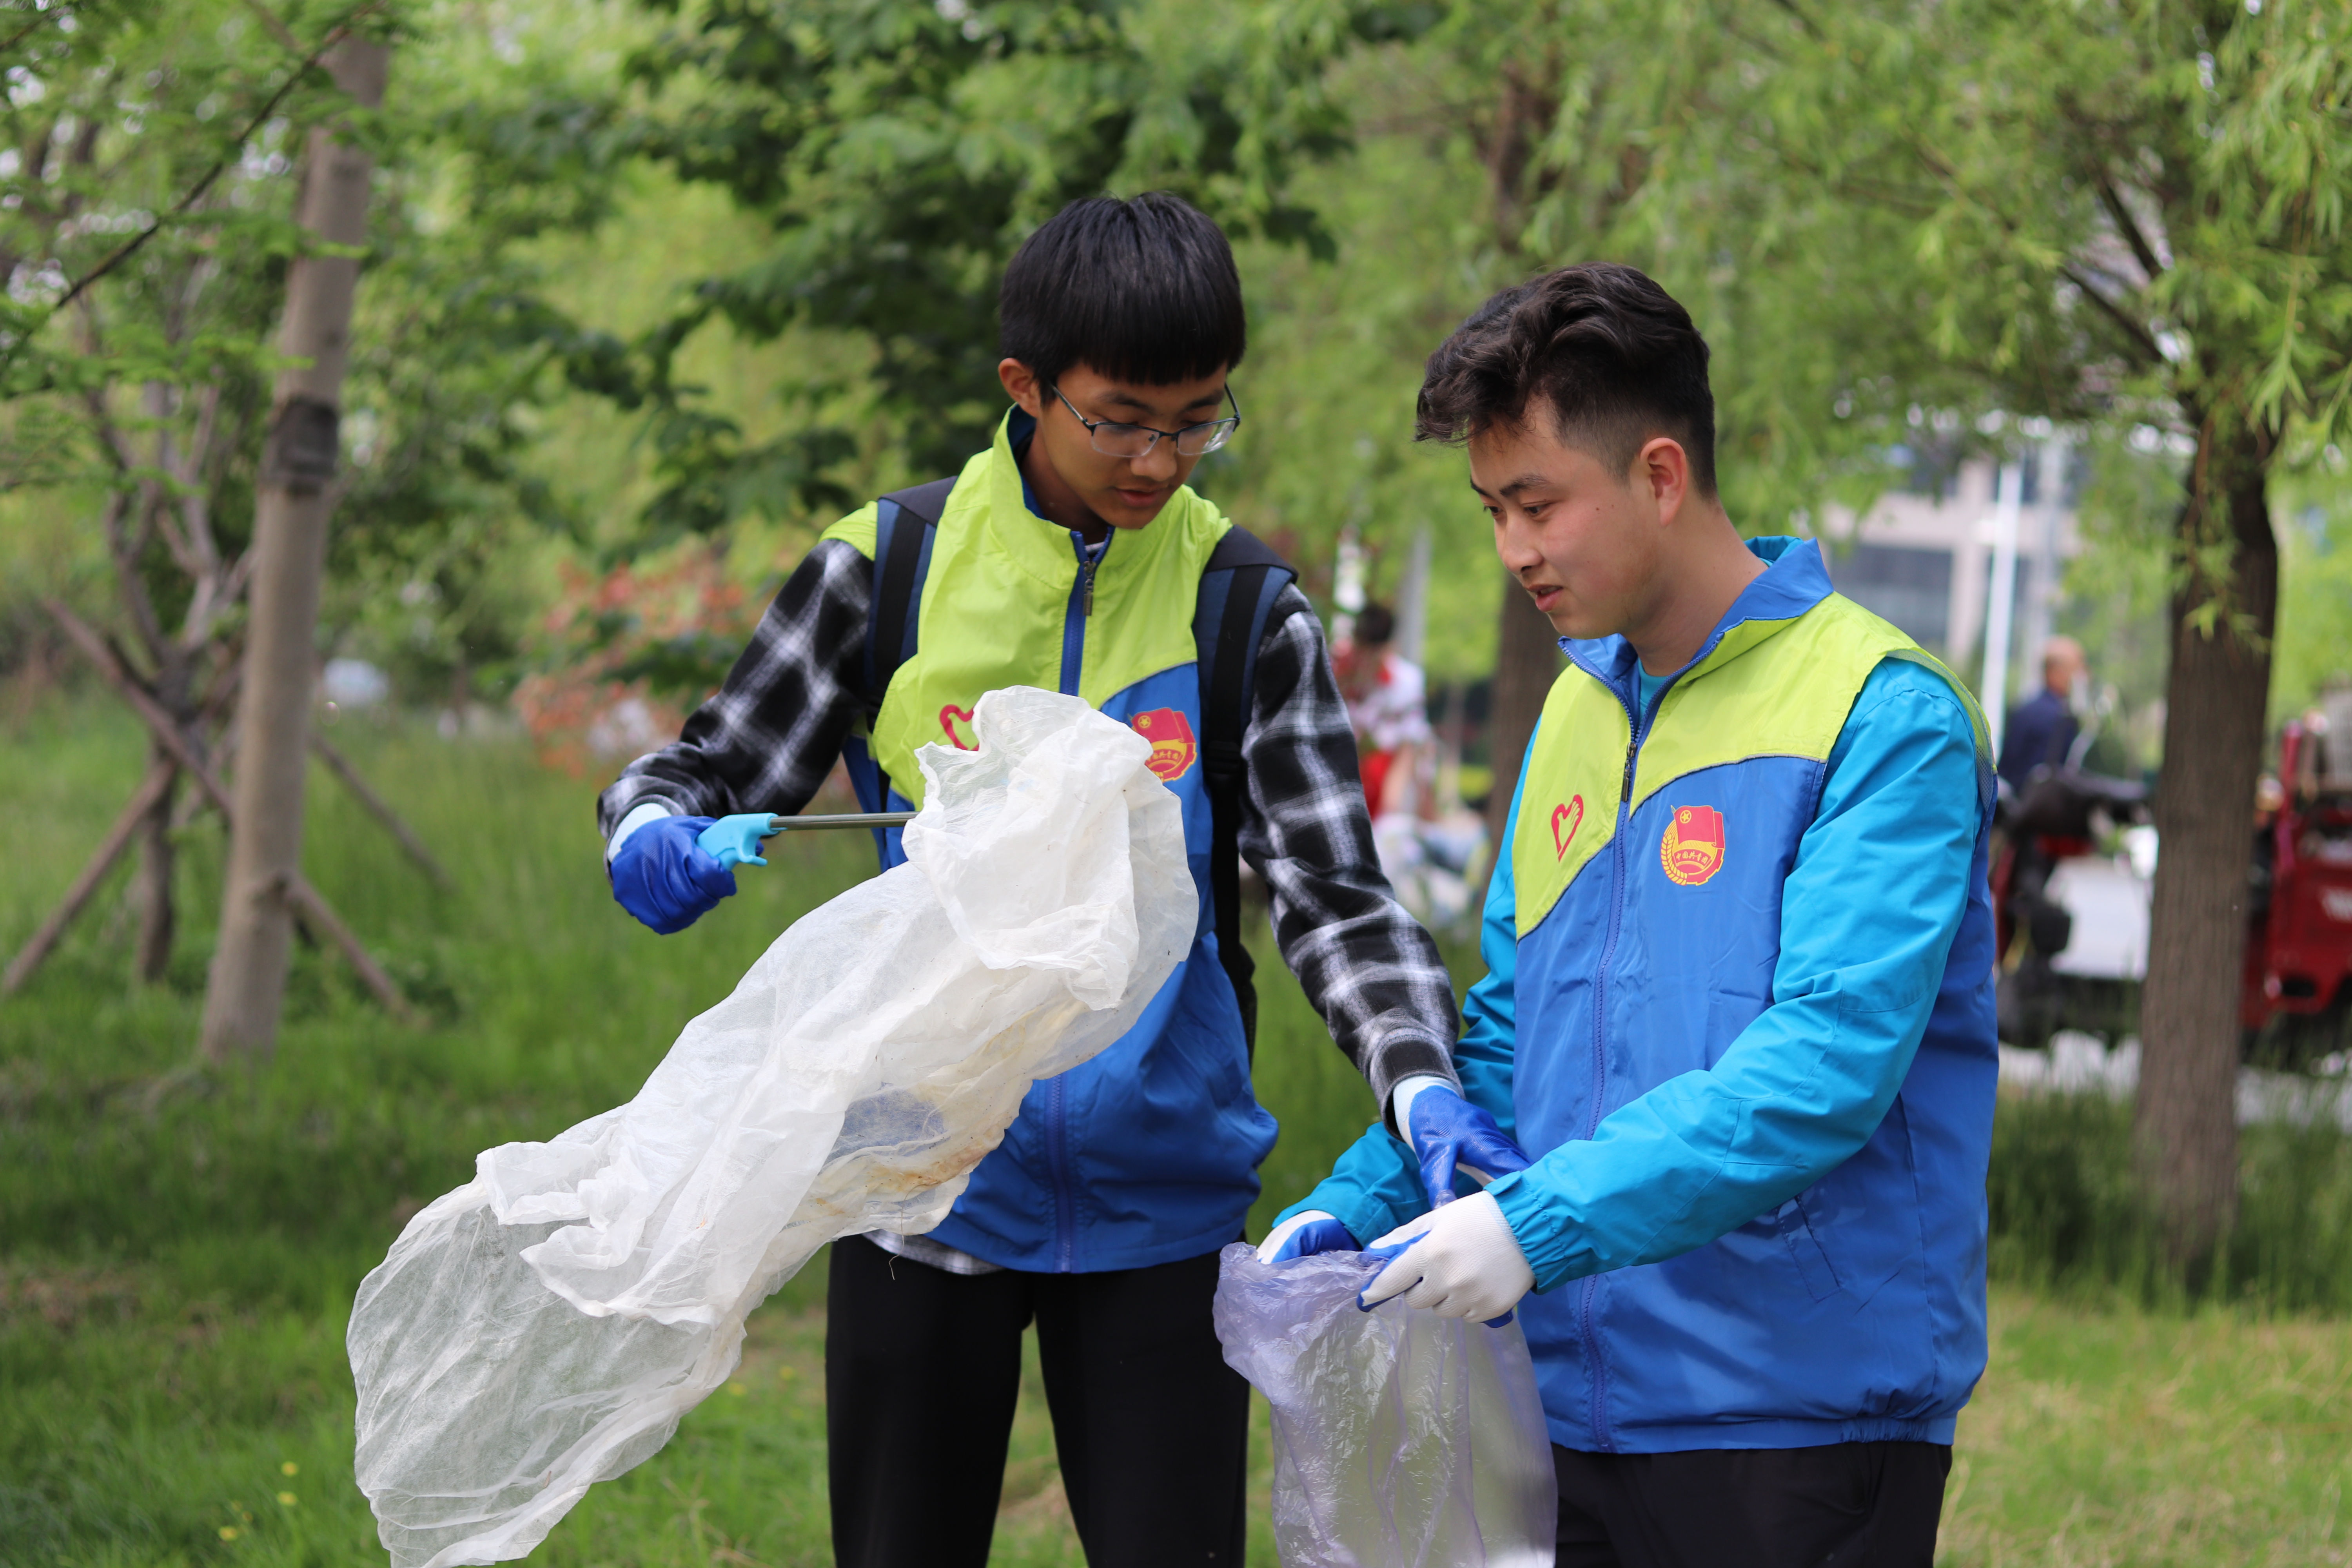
x,y
545,1326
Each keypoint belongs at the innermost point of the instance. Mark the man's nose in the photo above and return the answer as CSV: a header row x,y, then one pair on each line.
x,y
1514,542
1158,465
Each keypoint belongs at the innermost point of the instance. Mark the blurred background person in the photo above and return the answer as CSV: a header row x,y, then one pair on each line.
x,y
1387,703
2042,727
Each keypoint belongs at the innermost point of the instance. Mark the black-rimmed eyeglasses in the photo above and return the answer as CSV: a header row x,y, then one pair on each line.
x,y
1113,439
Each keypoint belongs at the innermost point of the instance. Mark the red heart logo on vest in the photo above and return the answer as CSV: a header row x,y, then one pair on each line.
x,y
1565,821
948,717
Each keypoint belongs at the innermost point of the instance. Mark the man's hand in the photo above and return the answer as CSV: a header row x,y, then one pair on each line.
x,y
666,879
1446,1131
1459,1261
1303,1236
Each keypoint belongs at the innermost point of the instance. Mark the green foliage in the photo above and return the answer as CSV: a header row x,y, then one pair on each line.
x,y
2068,1216
1336,350
182,132
900,151
2101,214
2117,593
2315,631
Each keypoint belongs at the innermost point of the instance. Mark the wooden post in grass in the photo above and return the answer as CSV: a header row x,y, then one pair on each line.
x,y
289,890
247,985
156,789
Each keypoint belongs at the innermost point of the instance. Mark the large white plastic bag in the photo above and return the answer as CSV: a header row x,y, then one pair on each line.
x,y
1401,1440
545,1326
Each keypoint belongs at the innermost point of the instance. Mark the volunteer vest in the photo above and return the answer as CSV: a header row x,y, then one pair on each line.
x,y
1149,1152
1648,867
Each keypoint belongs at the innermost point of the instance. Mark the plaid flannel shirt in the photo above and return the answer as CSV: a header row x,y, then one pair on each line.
x,y
767,739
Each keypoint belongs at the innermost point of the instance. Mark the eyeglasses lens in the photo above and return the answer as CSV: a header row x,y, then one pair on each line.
x,y
1124,440
1204,438
1113,441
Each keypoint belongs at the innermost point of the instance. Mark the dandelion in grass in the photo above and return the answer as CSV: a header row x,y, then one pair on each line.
x,y
228,1532
286,1500
289,1468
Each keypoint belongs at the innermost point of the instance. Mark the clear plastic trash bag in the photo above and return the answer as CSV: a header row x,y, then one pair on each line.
x,y
1401,1440
544,1327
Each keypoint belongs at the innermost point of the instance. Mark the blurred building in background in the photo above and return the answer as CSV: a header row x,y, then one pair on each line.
x,y
1922,556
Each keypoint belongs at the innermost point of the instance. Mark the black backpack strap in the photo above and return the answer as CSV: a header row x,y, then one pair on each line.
x,y
905,523
1235,611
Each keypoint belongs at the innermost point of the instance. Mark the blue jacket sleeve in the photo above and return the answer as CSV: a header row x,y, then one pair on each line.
x,y
1867,918
1376,1186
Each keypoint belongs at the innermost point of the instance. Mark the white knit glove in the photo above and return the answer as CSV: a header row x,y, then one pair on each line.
x,y
1462,1262
639,815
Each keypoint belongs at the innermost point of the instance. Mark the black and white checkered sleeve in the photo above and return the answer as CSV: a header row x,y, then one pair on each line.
x,y
1367,966
766,740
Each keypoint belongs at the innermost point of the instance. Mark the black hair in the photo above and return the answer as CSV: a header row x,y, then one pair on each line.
x,y
1375,624
1613,355
1141,291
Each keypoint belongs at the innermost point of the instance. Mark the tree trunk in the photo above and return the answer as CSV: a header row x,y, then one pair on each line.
x,y
2216,698
153,888
1527,661
247,985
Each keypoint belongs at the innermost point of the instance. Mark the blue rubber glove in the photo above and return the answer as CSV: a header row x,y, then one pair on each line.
x,y
735,840
1304,1236
1447,1131
665,878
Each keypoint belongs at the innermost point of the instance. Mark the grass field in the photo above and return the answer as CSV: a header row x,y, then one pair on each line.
x,y
178,1250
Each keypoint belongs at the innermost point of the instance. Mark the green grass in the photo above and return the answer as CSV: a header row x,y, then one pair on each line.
x,y
178,1250
2068,1220
2115,1435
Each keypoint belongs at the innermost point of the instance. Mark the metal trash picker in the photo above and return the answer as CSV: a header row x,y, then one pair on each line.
x,y
735,840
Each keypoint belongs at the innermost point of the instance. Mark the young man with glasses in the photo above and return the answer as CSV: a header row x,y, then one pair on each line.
x,y
1070,555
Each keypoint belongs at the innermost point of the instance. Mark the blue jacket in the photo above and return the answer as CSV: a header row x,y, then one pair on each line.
x,y
1743,1020
2041,728
1148,1153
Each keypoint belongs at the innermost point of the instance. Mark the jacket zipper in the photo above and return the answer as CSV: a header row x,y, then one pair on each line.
x,y
1599,1421
1074,618
1057,1125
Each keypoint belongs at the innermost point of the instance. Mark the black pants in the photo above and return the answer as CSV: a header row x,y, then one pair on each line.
x,y
1850,1505
922,1369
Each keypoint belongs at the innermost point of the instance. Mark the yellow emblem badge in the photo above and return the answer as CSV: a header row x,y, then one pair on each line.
x,y
1692,848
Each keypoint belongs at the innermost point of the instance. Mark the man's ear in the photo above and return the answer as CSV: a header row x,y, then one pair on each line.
x,y
1663,470
1022,386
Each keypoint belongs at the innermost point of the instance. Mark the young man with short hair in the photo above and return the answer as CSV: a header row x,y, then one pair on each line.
x,y
1738,1006
1070,555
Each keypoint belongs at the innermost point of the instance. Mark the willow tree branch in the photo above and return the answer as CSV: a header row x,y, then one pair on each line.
x,y
37,24
276,27
132,245
2128,227
2151,352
